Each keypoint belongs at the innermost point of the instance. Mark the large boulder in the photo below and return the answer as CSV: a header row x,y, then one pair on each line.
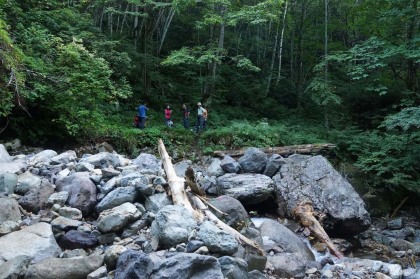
x,y
230,165
234,213
4,155
43,157
64,158
287,253
172,225
65,268
247,188
78,240
118,197
15,268
115,219
133,265
13,167
148,164
233,268
273,165
9,215
37,198
253,160
102,160
26,182
215,169
185,265
82,191
8,182
36,241
217,240
314,179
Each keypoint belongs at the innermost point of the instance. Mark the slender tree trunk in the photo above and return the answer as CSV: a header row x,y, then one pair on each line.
x,y
327,125
412,79
273,57
281,42
166,27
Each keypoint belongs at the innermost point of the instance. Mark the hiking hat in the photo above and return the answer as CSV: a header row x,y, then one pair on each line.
x,y
198,104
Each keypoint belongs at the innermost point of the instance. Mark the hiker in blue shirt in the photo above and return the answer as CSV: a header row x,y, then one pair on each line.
x,y
142,114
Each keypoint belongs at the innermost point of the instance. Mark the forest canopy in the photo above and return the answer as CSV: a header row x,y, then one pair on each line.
x,y
270,72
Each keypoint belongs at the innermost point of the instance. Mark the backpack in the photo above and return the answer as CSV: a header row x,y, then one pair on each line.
x,y
205,113
136,121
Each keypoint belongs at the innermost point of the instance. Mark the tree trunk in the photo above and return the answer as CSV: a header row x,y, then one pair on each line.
x,y
166,27
282,150
281,43
176,183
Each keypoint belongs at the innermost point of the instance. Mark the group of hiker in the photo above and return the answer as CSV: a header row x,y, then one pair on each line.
x,y
200,124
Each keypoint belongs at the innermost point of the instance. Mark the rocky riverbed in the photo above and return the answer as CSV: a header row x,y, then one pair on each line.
x,y
103,215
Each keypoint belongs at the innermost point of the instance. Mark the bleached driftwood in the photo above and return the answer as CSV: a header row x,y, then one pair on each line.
x,y
176,183
180,197
304,213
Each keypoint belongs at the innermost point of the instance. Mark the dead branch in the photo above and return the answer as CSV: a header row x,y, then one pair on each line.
x,y
304,213
282,150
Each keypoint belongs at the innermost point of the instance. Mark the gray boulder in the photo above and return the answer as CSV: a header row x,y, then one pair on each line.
x,y
43,157
65,268
82,191
36,241
216,240
287,253
26,182
148,164
233,268
273,165
78,240
184,265
253,161
102,160
313,178
118,197
4,155
215,169
8,182
172,225
37,198
9,215
181,167
230,165
112,253
127,179
156,202
247,188
115,219
13,167
65,224
234,215
59,198
64,158
15,268
133,264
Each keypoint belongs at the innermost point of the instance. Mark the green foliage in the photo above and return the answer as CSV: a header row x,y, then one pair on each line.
x,y
241,134
389,157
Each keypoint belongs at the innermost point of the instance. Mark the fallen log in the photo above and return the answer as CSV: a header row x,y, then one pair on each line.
x,y
305,214
180,197
176,183
282,150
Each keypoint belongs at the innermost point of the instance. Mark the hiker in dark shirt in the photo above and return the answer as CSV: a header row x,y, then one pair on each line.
x,y
185,116
142,115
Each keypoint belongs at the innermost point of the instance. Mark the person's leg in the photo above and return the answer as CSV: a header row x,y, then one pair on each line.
x,y
142,122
